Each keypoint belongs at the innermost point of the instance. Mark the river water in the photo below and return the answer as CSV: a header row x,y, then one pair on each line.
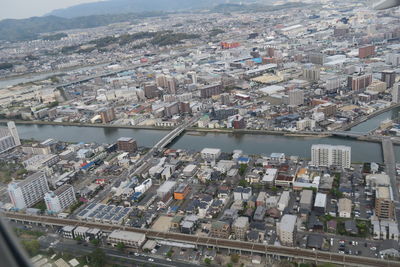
x,y
249,143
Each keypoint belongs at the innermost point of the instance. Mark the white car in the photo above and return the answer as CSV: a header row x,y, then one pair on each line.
x,y
150,259
168,259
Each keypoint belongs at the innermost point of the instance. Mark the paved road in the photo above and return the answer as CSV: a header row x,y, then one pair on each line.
x,y
291,252
390,165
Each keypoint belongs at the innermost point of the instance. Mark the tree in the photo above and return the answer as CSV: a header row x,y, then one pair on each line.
x,y
97,258
243,183
242,169
235,258
95,242
31,246
207,261
169,253
120,246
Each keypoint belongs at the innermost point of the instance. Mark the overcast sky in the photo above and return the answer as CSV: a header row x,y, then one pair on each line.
x,y
16,9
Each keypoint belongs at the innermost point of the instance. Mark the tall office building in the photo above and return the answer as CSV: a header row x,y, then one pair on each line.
x,y
150,90
329,155
317,58
359,83
171,85
225,99
127,144
389,77
210,90
311,73
166,82
193,76
396,93
60,199
107,115
28,192
296,97
384,205
9,137
14,133
6,143
393,59
161,80
366,51
286,229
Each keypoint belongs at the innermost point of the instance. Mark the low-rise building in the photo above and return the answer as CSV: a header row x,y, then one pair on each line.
x,y
129,239
344,208
220,229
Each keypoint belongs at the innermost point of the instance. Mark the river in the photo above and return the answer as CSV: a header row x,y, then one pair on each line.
x,y
250,143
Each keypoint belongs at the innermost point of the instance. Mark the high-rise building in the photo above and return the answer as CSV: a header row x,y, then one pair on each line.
x,y
384,205
240,227
107,115
329,109
333,83
171,85
296,97
238,122
317,58
127,144
150,90
359,83
28,192
396,93
193,76
389,77
6,143
161,80
366,51
225,99
9,137
210,90
60,199
393,59
166,82
14,133
286,229
329,155
311,73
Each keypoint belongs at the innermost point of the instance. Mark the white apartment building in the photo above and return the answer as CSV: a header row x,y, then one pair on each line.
x,y
296,97
210,154
9,137
129,239
28,192
286,229
396,93
60,199
329,155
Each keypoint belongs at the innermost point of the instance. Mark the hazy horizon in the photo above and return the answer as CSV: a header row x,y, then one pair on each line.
x,y
11,9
